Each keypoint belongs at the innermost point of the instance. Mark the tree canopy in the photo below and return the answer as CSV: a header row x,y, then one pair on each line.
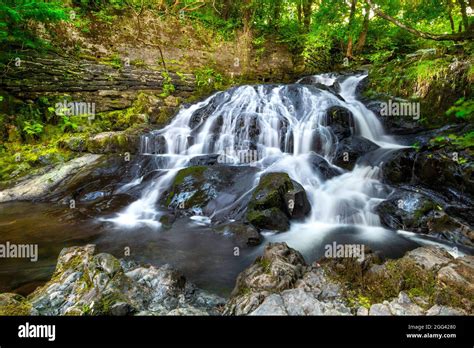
x,y
320,30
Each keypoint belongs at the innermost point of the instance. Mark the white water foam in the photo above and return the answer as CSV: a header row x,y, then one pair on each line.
x,y
283,123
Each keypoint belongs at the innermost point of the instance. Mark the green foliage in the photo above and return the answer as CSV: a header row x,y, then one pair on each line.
x,y
458,142
317,52
463,109
16,18
114,61
67,124
168,87
208,79
32,129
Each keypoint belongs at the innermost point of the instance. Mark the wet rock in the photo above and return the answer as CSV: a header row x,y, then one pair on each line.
x,y
167,220
297,202
154,144
275,200
406,211
209,189
416,212
247,123
39,186
113,142
341,121
88,284
324,169
399,167
334,88
202,114
269,219
204,160
350,149
433,169
244,234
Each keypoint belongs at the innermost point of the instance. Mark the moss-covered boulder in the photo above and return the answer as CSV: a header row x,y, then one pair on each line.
x,y
190,189
113,142
209,189
269,219
275,201
415,212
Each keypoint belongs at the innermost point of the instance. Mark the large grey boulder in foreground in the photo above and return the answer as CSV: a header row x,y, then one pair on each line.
x,y
426,281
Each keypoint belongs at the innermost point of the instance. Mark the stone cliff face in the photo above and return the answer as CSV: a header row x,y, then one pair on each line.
x,y
109,87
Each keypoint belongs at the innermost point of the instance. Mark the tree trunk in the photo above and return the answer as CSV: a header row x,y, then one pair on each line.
x,y
465,19
450,15
299,11
349,28
307,12
466,35
365,29
226,9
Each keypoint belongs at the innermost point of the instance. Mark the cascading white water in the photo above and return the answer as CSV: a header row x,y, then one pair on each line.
x,y
286,125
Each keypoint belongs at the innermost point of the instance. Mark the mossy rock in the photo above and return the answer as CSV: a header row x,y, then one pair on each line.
x,y
113,142
14,305
269,219
189,189
275,200
243,234
270,192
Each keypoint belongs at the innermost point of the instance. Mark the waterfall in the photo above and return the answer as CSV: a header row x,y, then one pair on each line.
x,y
286,125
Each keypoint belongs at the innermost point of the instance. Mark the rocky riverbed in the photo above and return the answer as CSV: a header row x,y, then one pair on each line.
x,y
336,183
279,282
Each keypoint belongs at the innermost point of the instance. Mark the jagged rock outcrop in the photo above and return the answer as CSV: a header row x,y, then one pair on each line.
x,y
109,86
426,281
416,212
281,283
86,283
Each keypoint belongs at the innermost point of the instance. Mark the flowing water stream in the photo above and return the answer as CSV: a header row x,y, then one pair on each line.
x,y
285,127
